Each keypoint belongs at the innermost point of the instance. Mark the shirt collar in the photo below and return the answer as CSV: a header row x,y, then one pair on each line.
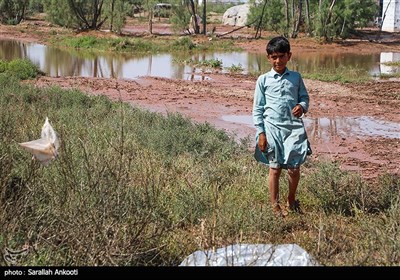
x,y
274,74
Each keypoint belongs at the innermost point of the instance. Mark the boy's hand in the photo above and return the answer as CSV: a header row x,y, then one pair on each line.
x,y
262,142
297,111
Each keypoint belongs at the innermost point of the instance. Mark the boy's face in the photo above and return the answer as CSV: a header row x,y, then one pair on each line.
x,y
279,60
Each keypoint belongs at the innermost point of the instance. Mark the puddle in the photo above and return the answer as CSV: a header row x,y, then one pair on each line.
x,y
60,62
326,129
67,63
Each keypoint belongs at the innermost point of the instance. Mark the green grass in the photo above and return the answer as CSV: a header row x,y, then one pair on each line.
x,y
213,64
142,46
235,69
131,187
340,74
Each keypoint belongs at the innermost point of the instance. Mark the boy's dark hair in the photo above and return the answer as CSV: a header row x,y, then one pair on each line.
x,y
278,45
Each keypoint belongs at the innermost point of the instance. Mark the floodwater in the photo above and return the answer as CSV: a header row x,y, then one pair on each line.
x,y
59,62
325,129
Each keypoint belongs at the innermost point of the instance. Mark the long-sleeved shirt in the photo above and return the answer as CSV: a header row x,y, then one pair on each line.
x,y
275,96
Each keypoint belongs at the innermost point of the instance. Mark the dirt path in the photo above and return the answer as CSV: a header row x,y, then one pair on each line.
x,y
226,95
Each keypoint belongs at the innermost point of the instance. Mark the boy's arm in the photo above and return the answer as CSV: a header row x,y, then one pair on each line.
x,y
258,106
304,99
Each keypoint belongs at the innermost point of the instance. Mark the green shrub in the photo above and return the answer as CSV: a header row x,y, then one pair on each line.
x,y
235,68
23,69
342,192
3,66
84,42
184,43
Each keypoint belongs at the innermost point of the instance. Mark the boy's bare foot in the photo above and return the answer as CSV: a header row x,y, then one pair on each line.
x,y
295,207
278,211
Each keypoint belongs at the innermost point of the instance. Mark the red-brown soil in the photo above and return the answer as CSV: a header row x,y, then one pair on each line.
x,y
227,95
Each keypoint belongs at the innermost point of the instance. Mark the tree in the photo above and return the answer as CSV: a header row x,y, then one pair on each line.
x,y
80,14
185,16
87,13
116,12
340,18
258,31
36,6
326,24
13,11
272,18
297,21
58,12
327,19
180,18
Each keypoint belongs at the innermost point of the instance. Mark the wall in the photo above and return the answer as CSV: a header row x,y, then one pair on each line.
x,y
391,22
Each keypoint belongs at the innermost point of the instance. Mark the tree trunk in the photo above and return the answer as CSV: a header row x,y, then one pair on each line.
x,y
82,16
196,26
293,19
21,12
260,22
112,15
151,22
328,19
97,7
79,14
204,17
298,20
286,33
308,17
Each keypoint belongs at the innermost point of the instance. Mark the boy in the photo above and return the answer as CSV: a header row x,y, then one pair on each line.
x,y
280,101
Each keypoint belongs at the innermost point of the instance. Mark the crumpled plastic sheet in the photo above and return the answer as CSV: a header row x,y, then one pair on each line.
x,y
252,255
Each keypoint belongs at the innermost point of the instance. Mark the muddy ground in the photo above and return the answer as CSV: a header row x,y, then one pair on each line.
x,y
227,95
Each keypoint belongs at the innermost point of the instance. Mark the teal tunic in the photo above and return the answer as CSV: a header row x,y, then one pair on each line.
x,y
275,96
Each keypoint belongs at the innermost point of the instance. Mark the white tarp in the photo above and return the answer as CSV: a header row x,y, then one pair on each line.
x,y
252,255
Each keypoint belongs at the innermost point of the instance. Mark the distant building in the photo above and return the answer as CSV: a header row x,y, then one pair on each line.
x,y
391,21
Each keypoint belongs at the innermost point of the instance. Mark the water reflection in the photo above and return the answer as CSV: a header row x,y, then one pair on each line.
x,y
60,62
325,129
389,57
